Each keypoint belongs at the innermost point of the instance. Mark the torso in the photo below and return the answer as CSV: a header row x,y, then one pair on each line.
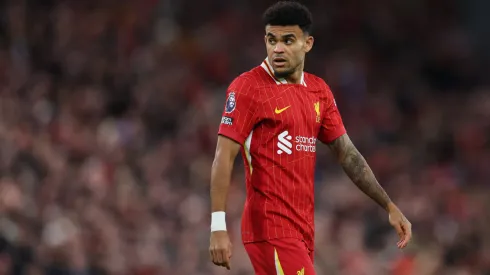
x,y
281,155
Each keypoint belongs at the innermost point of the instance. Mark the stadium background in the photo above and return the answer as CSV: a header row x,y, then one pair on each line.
x,y
109,111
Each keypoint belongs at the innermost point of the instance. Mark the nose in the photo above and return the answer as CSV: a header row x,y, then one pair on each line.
x,y
279,48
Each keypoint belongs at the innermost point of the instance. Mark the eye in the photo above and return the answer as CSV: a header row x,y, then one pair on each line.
x,y
271,41
289,41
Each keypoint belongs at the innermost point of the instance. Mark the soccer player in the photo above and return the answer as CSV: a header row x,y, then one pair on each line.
x,y
274,115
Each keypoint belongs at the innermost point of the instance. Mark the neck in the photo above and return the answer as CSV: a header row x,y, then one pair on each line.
x,y
295,78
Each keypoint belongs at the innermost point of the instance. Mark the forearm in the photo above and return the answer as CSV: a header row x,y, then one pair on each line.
x,y
220,183
356,167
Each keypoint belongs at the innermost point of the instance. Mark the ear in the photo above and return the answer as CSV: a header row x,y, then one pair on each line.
x,y
309,43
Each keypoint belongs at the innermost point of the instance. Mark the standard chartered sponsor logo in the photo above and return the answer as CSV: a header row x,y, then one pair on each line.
x,y
301,143
284,143
305,144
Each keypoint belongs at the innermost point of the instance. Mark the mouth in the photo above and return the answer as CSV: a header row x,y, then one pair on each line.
x,y
279,61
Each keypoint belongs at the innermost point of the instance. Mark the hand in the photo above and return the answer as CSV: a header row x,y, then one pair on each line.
x,y
402,226
220,249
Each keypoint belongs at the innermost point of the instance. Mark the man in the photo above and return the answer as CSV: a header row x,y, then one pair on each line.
x,y
274,114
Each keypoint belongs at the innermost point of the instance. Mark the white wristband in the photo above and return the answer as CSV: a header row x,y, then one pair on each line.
x,y
218,221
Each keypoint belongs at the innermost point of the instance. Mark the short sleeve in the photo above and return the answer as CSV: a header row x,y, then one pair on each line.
x,y
332,126
240,111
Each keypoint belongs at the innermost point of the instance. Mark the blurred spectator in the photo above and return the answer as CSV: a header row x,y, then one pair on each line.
x,y
109,113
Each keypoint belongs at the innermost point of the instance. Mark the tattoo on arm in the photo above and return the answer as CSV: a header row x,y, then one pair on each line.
x,y
356,167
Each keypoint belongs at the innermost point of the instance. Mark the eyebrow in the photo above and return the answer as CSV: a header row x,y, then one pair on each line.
x,y
284,36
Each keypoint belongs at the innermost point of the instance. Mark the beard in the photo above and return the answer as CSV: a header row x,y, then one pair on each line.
x,y
284,74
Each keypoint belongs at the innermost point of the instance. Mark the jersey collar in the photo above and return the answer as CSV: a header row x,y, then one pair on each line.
x,y
268,69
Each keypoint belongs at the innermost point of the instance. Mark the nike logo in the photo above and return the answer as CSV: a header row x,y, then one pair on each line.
x,y
281,110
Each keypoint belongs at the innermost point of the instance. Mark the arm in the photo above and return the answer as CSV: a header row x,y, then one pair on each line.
x,y
220,245
333,133
226,152
356,167
237,122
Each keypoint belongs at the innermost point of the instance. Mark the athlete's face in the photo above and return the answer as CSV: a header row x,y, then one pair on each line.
x,y
286,48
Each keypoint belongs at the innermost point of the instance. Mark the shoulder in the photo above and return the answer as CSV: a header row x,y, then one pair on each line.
x,y
316,81
244,81
248,83
320,84
255,77
241,89
241,85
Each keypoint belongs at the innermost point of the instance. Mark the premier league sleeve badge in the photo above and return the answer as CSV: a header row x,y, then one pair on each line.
x,y
230,103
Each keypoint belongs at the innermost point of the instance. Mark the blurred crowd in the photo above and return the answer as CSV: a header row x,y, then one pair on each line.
x,y
109,112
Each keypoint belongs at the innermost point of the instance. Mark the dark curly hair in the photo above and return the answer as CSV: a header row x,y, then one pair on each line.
x,y
289,13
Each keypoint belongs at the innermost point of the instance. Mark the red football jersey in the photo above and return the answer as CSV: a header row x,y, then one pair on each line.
x,y
278,125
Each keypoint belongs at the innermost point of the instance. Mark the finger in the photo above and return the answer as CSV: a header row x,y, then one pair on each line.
x,y
227,263
406,236
225,258
407,228
400,233
399,230
219,258
212,251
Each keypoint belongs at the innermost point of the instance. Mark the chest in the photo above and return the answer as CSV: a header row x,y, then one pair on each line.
x,y
295,108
